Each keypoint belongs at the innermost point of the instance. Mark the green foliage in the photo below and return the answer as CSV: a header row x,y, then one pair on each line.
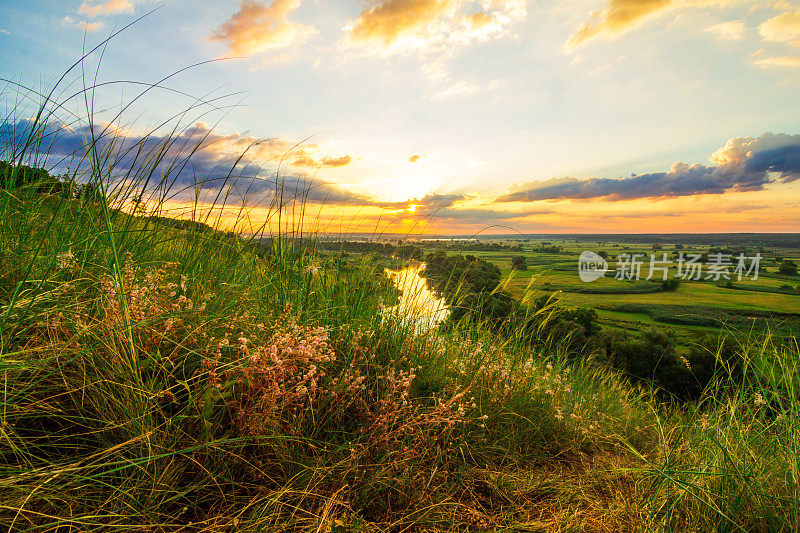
x,y
518,262
787,267
670,284
649,356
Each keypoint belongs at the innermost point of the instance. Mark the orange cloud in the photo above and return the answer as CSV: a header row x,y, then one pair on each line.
x,y
620,16
396,24
341,161
414,158
256,27
783,28
310,162
109,7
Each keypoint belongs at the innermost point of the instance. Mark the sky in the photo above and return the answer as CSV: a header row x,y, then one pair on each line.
x,y
446,116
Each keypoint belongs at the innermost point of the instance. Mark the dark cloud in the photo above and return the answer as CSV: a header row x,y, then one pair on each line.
x,y
743,164
180,163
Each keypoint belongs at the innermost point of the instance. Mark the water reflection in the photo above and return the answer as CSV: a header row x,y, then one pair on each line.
x,y
417,302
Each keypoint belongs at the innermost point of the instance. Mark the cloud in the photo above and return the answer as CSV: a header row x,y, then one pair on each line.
x,y
340,161
458,88
414,158
394,25
476,215
82,24
620,16
779,62
783,28
194,157
95,8
728,31
444,208
743,164
448,86
257,27
428,203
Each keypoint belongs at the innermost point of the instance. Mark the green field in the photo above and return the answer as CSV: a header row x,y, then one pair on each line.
x,y
695,308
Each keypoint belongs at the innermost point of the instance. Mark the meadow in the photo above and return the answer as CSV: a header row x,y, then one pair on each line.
x,y
695,308
160,375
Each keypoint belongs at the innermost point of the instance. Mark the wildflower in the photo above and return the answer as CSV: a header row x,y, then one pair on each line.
x,y
66,260
759,399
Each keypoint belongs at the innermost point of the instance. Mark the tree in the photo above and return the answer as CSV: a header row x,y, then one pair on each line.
x,y
518,262
788,268
670,284
603,254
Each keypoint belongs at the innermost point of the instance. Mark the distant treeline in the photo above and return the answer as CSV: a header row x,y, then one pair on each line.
x,y
188,225
755,240
472,246
405,248
404,251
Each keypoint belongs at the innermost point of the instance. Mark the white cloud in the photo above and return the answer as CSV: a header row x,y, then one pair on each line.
x,y
728,31
82,24
778,62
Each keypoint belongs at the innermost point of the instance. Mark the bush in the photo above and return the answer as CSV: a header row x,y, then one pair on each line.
x,y
671,284
518,262
787,268
649,357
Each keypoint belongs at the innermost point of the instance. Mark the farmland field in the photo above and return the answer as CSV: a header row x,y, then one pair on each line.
x,y
696,307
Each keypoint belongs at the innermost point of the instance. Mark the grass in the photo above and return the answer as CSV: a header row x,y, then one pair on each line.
x,y
168,379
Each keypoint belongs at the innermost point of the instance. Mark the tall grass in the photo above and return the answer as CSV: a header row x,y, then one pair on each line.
x,y
164,377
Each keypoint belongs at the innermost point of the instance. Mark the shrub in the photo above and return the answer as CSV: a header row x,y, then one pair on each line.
x,y
787,267
671,284
518,262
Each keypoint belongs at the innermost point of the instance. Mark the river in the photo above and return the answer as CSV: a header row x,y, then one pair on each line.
x,y
417,302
